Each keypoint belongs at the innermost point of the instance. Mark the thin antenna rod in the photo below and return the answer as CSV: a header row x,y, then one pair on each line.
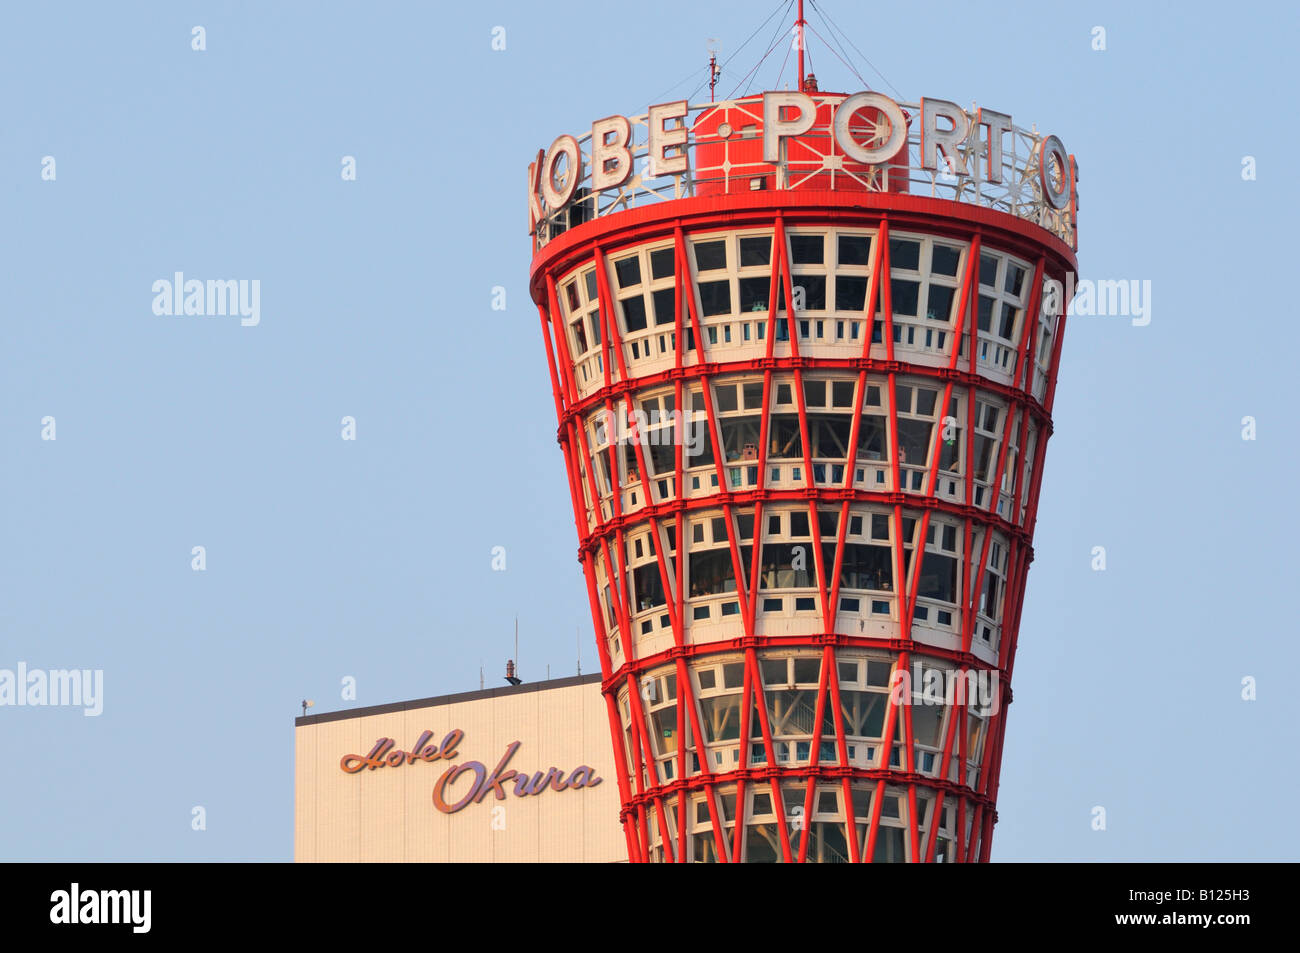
x,y
516,645
799,26
713,79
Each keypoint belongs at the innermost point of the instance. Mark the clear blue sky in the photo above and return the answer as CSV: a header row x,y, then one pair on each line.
x,y
371,558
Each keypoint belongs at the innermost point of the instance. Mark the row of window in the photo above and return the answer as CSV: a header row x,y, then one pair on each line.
x,y
789,560
824,825
789,702
830,274
659,431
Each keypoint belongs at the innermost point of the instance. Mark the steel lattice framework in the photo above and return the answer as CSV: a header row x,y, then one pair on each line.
x,y
748,730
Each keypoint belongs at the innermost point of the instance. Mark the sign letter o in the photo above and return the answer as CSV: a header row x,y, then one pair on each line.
x,y
1049,149
449,777
897,128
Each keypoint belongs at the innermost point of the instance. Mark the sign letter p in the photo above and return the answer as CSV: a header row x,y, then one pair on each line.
x,y
776,127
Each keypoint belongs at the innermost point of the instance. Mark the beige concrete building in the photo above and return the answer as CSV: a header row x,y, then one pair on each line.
x,y
518,774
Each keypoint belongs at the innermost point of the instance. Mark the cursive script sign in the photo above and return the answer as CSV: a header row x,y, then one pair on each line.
x,y
482,781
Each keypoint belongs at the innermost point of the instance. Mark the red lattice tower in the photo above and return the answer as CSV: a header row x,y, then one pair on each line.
x,y
780,510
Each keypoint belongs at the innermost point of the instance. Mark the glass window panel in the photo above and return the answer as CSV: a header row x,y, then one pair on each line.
x,y
774,671
855,249
927,722
938,305
787,443
762,844
755,251
791,711
715,298
712,572
814,291
755,294
902,398
867,567
938,577
1008,323
710,256
913,440
664,732
721,718
983,456
1015,279
872,444
889,846
579,337
878,673
988,270
944,259
665,302
779,562
739,434
662,263
628,271
807,249
850,293
904,254
634,314
903,295
648,586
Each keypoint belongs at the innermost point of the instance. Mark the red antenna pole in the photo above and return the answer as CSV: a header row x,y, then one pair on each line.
x,y
799,25
713,72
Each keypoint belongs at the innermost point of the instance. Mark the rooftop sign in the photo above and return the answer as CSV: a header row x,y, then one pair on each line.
x,y
864,142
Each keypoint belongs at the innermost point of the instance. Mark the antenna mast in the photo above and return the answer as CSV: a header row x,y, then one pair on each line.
x,y
512,665
799,26
713,72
